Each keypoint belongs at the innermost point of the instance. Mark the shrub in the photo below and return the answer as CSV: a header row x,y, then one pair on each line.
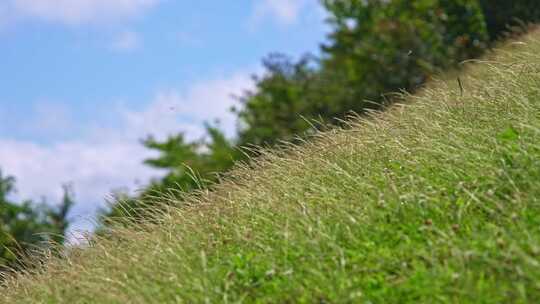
x,y
501,15
385,46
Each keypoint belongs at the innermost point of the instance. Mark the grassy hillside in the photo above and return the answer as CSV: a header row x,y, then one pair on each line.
x,y
436,200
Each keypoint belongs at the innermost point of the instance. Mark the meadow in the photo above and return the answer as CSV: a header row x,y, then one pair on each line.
x,y
436,199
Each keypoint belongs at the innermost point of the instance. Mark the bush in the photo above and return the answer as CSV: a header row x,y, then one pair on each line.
x,y
386,46
501,15
281,103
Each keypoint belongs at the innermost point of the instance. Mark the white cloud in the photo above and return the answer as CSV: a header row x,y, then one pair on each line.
x,y
109,156
94,167
202,102
285,12
75,12
126,41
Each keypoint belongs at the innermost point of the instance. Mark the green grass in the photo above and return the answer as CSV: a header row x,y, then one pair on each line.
x,y
435,200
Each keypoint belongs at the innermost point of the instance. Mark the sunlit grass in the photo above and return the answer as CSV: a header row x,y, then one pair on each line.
x,y
435,200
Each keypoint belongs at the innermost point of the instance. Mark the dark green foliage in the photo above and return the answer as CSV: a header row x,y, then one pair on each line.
x,y
282,102
191,163
503,15
375,47
25,227
189,166
378,47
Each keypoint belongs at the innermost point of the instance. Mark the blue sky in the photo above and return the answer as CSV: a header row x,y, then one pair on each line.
x,y
82,81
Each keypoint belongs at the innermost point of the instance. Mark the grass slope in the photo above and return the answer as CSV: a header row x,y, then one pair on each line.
x,y
434,201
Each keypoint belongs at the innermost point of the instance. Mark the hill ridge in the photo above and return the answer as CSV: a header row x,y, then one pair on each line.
x,y
435,200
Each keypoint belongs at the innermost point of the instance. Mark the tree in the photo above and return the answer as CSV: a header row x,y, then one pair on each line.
x,y
189,165
502,15
26,227
377,47
281,104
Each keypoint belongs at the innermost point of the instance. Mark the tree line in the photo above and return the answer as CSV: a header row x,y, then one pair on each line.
x,y
374,48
